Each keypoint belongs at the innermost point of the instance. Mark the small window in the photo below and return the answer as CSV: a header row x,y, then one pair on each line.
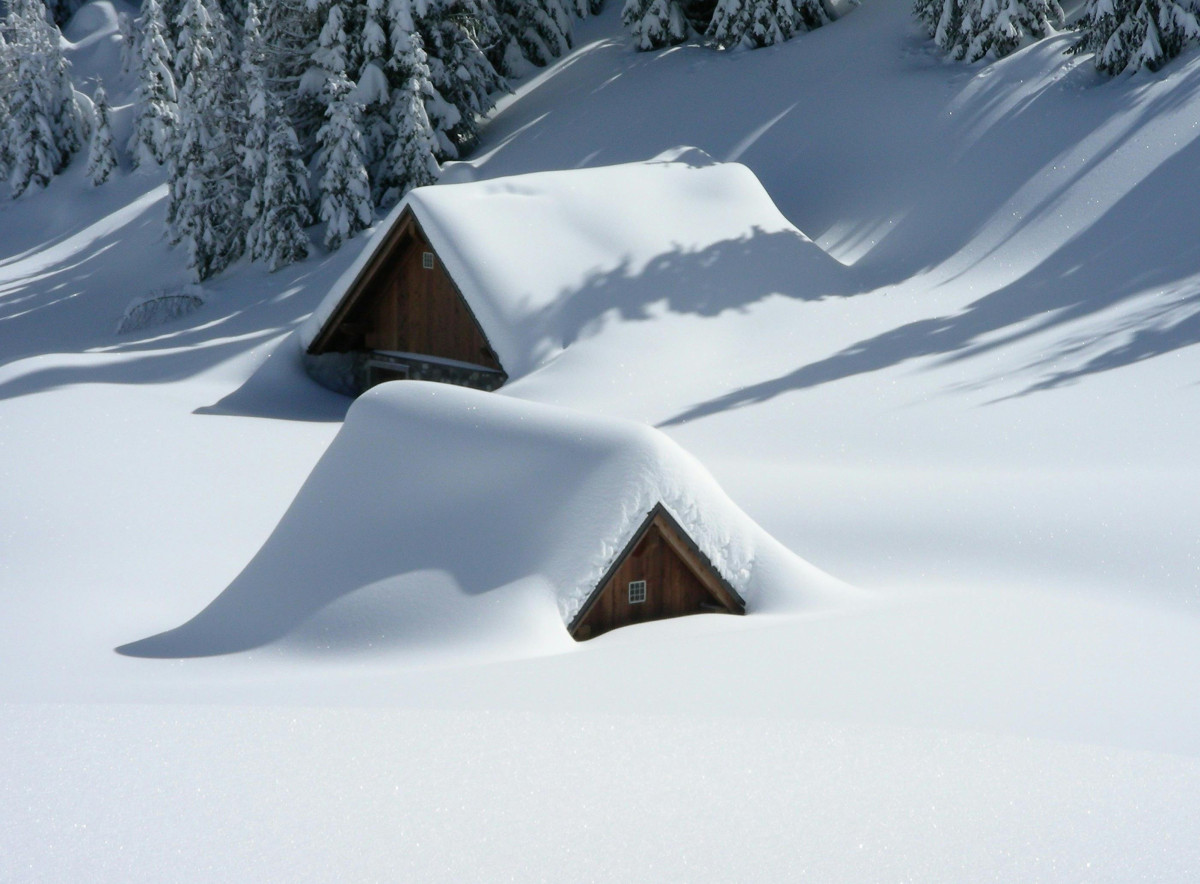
x,y
637,592
427,260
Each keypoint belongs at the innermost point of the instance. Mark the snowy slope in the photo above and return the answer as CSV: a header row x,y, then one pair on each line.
x,y
991,429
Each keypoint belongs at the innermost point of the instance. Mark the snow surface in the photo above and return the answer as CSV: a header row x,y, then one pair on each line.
x,y
540,257
993,431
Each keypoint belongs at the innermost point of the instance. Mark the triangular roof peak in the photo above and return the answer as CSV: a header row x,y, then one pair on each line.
x,y
678,601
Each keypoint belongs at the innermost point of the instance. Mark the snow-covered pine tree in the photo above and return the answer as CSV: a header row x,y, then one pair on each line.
x,y
373,88
7,64
943,21
999,26
101,157
410,161
45,124
444,117
204,206
129,42
290,31
156,111
253,149
538,31
201,39
755,23
285,194
655,23
345,190
456,35
1127,35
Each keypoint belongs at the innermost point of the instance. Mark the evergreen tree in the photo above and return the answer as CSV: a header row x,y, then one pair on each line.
x,y
655,23
410,161
101,157
156,111
7,87
45,124
290,30
253,149
373,89
285,195
755,23
943,21
129,42
345,192
538,31
455,35
205,202
998,26
1127,35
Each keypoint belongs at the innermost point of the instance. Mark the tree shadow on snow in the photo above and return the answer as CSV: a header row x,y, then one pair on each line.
x,y
728,275
1132,251
65,295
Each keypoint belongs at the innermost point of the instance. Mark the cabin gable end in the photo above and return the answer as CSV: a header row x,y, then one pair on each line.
x,y
659,574
404,316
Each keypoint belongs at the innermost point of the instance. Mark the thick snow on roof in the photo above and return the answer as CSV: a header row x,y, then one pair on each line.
x,y
466,514
522,248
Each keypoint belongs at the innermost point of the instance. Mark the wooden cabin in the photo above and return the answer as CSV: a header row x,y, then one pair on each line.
x,y
403,316
659,574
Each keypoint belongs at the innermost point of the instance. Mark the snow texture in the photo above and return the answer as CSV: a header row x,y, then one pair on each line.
x,y
525,251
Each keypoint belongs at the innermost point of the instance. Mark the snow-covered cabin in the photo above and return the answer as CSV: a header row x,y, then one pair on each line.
x,y
496,529
476,282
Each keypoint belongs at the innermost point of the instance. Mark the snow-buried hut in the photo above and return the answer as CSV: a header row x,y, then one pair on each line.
x,y
495,529
478,282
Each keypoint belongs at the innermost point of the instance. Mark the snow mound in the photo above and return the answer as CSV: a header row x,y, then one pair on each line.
x,y
447,516
157,308
540,257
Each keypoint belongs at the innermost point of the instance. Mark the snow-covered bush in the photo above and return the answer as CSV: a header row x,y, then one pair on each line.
x,y
1127,35
159,307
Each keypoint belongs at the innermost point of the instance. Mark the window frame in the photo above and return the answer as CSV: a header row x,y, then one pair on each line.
x,y
639,589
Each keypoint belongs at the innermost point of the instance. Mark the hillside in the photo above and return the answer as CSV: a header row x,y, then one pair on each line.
x,y
986,428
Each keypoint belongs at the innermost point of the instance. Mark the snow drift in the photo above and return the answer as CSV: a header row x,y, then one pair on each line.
x,y
540,256
441,514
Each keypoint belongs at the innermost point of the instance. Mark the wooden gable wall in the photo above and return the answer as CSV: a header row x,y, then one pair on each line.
x,y
679,581
400,305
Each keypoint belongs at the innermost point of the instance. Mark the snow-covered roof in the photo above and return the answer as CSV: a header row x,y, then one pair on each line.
x,y
455,508
522,248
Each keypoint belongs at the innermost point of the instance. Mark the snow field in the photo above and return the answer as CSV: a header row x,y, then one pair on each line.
x,y
990,431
